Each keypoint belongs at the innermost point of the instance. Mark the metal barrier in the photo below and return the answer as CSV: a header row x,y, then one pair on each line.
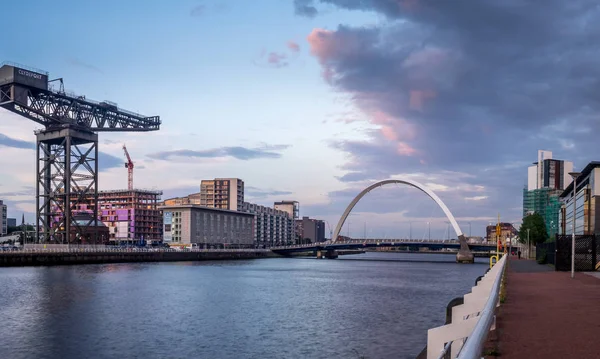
x,y
471,322
113,249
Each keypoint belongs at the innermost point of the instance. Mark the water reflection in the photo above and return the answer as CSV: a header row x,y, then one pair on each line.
x,y
271,308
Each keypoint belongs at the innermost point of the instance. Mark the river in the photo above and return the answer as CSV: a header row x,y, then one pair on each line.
x,y
373,305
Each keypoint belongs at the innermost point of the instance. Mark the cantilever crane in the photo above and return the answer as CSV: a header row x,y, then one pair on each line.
x,y
67,147
129,166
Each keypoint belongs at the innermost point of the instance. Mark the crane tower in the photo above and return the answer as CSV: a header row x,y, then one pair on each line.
x,y
129,166
67,146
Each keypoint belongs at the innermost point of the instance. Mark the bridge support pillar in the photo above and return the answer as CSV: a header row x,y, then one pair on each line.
x,y
464,254
331,254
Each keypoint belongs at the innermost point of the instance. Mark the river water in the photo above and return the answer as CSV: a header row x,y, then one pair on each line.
x,y
374,305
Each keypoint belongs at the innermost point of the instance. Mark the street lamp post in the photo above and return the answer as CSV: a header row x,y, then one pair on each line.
x,y
574,175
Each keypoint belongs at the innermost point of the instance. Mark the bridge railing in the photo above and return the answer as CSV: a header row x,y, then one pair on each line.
x,y
467,333
115,249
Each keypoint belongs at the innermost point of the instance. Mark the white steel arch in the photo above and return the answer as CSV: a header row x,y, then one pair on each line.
x,y
411,183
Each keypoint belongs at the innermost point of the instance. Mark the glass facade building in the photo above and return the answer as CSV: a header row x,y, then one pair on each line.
x,y
545,202
586,213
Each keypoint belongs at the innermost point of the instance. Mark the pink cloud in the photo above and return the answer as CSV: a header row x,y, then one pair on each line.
x,y
293,46
389,133
404,149
327,46
277,59
418,98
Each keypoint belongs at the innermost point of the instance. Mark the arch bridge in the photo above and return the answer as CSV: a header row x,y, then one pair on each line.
x,y
464,254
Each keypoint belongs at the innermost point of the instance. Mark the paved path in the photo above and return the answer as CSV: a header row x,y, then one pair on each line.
x,y
547,314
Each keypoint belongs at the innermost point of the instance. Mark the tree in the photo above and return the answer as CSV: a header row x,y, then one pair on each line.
x,y
537,229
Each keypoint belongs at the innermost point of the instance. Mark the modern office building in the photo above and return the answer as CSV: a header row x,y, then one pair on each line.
x,y
11,222
546,180
3,219
587,213
548,172
507,230
222,193
309,229
207,227
272,226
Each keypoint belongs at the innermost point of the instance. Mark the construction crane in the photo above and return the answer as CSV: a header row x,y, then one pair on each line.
x,y
67,146
129,166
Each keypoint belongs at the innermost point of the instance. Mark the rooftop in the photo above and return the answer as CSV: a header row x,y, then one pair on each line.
x,y
584,173
197,206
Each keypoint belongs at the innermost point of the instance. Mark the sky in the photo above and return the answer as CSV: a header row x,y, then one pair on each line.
x,y
314,100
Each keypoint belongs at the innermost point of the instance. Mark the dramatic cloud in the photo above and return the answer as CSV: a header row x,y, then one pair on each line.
x,y
475,86
238,152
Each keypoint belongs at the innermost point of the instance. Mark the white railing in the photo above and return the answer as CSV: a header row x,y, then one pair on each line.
x,y
471,321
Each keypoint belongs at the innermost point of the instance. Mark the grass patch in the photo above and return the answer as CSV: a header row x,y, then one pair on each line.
x,y
493,352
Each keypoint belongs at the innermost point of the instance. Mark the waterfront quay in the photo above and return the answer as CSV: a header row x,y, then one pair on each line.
x,y
108,254
548,314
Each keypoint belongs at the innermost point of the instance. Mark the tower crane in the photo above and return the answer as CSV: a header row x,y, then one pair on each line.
x,y
129,166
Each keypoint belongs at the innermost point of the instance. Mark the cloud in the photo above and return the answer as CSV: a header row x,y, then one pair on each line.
x,y
256,193
293,46
237,152
276,59
475,88
305,8
79,63
198,10
279,59
16,143
105,160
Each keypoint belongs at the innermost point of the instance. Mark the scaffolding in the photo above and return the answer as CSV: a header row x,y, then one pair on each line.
x,y
130,216
545,202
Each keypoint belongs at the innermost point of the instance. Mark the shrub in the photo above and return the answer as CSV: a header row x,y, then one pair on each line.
x,y
542,256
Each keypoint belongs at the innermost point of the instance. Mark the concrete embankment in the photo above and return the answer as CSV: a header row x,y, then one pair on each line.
x,y
19,258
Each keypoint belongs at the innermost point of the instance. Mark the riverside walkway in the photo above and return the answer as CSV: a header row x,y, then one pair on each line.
x,y
547,314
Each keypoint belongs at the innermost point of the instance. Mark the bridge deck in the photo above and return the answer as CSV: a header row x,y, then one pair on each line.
x,y
356,244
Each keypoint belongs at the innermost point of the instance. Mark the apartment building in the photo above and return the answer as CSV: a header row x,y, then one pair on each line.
x,y
310,230
507,230
271,226
291,207
222,193
207,227
193,198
